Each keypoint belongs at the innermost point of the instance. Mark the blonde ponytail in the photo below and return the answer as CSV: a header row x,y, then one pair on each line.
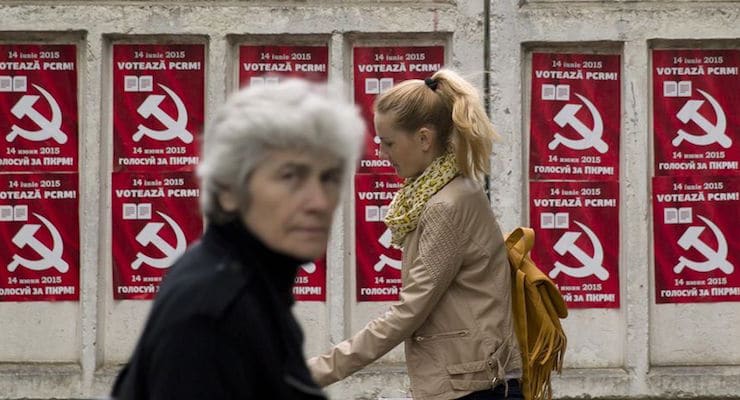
x,y
452,107
472,133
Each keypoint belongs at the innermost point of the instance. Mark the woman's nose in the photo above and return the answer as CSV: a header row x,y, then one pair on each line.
x,y
319,197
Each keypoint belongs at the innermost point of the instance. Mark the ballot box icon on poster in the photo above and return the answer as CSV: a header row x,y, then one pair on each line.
x,y
377,85
259,81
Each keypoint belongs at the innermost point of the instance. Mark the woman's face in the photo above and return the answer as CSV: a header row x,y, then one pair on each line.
x,y
410,153
292,195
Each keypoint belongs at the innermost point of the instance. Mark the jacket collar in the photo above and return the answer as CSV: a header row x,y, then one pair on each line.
x,y
278,270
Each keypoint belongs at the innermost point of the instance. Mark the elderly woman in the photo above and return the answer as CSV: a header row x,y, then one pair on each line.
x,y
221,327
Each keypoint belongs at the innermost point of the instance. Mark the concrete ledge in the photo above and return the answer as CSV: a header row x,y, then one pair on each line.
x,y
40,380
381,381
390,382
591,383
104,378
694,382
717,382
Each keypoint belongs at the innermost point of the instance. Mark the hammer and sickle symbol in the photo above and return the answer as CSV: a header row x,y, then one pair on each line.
x,y
589,137
590,265
50,129
309,267
26,236
150,234
175,128
713,133
715,259
385,240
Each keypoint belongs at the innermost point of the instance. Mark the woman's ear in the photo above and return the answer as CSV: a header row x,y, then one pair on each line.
x,y
426,138
228,201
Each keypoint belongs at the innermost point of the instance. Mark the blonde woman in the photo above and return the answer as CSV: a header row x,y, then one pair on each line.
x,y
454,311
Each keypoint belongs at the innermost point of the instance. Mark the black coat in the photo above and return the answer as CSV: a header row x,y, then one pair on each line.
x,y
221,327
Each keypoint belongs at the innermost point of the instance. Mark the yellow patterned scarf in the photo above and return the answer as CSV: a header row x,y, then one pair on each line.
x,y
409,201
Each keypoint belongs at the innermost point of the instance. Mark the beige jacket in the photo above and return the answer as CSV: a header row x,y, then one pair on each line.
x,y
454,312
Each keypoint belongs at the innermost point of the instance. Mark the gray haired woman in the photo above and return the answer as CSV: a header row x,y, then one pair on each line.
x,y
274,164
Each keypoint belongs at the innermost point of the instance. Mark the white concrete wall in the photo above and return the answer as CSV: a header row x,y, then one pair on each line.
x,y
642,348
74,349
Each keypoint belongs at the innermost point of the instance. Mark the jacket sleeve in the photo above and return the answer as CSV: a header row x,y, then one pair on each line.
x,y
438,260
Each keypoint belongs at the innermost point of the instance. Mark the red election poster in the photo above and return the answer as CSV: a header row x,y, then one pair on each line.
x,y
265,65
39,229
697,245
158,106
577,230
38,103
377,69
575,116
378,263
155,217
696,125
310,282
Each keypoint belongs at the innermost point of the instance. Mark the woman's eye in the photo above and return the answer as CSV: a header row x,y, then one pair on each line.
x,y
287,176
333,178
333,175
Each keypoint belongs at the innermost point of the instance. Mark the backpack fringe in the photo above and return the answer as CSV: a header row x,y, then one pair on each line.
x,y
537,307
545,357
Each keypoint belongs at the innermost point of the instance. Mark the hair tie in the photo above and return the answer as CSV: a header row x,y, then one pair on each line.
x,y
431,83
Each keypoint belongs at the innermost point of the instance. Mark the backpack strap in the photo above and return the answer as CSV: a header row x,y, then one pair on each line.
x,y
517,252
520,241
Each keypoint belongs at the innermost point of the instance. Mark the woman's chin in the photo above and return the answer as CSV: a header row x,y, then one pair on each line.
x,y
307,250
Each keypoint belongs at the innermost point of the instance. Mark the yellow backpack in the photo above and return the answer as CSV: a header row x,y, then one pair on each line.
x,y
537,308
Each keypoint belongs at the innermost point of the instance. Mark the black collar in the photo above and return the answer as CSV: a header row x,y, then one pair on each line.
x,y
278,270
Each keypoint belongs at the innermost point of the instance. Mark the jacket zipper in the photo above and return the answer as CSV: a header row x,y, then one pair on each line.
x,y
445,335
